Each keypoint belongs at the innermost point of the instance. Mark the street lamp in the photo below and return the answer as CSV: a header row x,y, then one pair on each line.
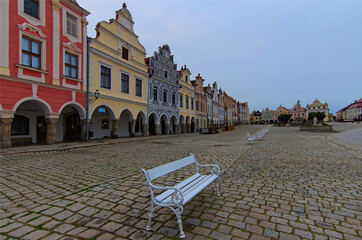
x,y
96,95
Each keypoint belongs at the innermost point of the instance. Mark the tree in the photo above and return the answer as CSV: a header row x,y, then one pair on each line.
x,y
284,117
320,116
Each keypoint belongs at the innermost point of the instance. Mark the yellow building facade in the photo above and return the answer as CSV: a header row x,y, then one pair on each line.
x,y
118,80
187,102
279,111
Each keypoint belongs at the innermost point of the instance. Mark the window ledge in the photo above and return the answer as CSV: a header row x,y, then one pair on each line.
x,y
73,79
31,68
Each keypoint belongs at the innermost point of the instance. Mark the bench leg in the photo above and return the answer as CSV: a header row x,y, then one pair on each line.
x,y
217,187
178,213
148,228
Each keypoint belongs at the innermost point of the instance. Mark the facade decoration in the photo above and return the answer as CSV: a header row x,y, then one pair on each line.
x,y
267,116
42,82
187,108
298,112
119,74
317,106
201,112
163,101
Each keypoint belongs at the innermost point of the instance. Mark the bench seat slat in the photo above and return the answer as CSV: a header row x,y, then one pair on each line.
x,y
169,167
190,187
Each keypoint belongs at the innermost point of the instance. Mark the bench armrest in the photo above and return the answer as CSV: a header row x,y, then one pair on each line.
x,y
215,168
177,196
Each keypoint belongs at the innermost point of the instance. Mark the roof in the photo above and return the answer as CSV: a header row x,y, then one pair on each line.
x,y
355,105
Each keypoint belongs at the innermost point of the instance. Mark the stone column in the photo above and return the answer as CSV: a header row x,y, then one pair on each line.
x,y
5,132
83,126
145,130
51,137
184,128
188,127
176,129
114,133
157,128
167,127
133,128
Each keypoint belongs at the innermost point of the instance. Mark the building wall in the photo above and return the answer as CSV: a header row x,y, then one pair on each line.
x,y
165,77
317,106
112,38
187,91
44,86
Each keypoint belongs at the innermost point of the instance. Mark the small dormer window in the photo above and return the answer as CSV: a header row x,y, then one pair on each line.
x,y
186,78
125,53
71,25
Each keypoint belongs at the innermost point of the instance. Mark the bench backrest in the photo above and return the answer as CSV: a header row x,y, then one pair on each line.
x,y
169,167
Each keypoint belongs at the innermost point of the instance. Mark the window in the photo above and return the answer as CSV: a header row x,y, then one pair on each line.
x,y
181,101
71,65
187,102
173,98
125,53
165,74
165,96
197,105
155,93
124,83
20,125
186,78
31,7
71,25
30,53
138,87
105,77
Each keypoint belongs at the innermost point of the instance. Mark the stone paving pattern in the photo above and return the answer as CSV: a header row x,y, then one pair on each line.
x,y
292,185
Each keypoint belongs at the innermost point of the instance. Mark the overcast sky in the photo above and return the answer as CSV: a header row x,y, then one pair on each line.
x,y
265,52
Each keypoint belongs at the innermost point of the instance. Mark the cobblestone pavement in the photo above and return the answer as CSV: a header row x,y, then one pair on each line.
x,y
292,185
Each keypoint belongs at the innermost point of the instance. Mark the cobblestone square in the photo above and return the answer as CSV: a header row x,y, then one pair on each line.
x,y
291,185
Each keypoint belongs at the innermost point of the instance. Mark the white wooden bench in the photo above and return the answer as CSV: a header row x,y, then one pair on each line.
x,y
251,139
177,196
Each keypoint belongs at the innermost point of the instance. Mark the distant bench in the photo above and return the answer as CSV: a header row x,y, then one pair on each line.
x,y
177,196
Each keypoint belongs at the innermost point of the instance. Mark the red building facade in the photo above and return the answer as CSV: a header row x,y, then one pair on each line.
x,y
42,71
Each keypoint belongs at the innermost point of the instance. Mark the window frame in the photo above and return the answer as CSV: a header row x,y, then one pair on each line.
x,y
173,99
75,23
138,86
103,74
26,125
187,102
70,65
124,83
164,96
36,2
192,104
181,101
155,93
30,53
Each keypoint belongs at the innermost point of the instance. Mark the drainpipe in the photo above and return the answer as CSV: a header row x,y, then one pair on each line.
x,y
87,100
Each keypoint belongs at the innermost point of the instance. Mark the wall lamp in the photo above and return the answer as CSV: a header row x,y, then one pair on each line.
x,y
96,95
